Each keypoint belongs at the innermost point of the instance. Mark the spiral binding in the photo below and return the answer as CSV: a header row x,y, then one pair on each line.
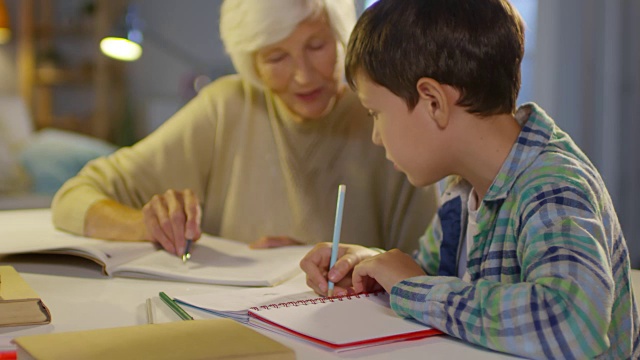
x,y
314,301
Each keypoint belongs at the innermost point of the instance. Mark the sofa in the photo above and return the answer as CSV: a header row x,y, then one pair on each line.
x,y
35,163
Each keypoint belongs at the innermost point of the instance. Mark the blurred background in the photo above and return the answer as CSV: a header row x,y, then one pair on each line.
x,y
60,95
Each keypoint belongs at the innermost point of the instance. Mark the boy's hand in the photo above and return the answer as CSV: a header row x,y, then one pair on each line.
x,y
384,270
172,218
316,265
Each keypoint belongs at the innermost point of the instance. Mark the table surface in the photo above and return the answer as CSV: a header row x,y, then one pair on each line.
x,y
81,298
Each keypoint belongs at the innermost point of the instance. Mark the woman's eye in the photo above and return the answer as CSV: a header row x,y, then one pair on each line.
x,y
275,57
316,45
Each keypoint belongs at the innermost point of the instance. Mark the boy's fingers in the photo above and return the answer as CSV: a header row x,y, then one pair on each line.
x,y
342,267
315,265
317,287
361,275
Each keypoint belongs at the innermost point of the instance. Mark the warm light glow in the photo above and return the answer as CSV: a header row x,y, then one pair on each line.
x,y
5,24
121,49
5,35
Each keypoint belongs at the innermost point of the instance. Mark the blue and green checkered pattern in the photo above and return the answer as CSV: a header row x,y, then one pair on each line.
x,y
549,267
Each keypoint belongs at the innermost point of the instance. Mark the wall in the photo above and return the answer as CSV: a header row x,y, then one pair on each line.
x,y
161,80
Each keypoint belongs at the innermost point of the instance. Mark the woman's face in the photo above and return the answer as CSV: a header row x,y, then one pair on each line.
x,y
301,69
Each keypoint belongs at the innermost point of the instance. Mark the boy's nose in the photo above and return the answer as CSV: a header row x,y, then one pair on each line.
x,y
375,136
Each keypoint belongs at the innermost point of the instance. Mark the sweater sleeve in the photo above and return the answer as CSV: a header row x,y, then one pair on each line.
x,y
178,155
561,307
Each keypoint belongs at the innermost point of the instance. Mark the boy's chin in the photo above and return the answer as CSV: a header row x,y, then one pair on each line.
x,y
417,182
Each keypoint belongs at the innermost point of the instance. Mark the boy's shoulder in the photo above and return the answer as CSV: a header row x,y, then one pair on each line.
x,y
545,161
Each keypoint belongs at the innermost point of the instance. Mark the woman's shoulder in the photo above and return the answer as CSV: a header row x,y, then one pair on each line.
x,y
229,87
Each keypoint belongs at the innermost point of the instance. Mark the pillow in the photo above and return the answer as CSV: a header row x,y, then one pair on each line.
x,y
15,130
52,156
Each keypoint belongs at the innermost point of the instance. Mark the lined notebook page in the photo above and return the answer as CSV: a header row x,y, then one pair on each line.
x,y
340,323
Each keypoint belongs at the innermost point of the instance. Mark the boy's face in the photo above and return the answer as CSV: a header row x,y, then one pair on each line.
x,y
410,138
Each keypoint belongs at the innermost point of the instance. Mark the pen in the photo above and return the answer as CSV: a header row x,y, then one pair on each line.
x,y
336,232
175,307
187,254
149,311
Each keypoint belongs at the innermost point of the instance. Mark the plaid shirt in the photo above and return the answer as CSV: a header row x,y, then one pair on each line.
x,y
549,267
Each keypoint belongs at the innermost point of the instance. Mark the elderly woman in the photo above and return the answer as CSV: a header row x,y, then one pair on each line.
x,y
258,156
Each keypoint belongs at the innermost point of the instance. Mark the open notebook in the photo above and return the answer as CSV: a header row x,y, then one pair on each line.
x,y
213,260
291,308
341,323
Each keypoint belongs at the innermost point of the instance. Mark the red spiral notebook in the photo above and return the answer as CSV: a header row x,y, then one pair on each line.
x,y
340,323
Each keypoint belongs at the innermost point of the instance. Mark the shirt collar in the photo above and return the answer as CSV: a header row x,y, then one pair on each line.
x,y
537,129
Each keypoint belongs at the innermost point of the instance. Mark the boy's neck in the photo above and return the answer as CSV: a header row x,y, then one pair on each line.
x,y
485,144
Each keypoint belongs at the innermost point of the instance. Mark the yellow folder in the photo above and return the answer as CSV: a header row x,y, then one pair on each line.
x,y
188,340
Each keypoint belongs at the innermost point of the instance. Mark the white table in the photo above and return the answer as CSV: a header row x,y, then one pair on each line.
x,y
80,298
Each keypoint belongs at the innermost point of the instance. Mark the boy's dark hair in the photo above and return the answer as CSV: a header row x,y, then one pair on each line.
x,y
476,46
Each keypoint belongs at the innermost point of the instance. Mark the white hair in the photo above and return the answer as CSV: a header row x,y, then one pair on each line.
x,y
249,25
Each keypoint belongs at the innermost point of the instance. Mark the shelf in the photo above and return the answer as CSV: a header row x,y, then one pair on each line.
x,y
50,76
78,123
43,31
64,80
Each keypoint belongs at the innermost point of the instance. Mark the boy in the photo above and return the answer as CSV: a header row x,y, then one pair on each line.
x,y
526,255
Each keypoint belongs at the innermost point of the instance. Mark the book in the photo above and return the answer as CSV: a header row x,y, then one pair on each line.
x,y
213,260
340,323
195,339
19,303
336,323
235,303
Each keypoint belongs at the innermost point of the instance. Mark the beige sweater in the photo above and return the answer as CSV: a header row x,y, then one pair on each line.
x,y
258,173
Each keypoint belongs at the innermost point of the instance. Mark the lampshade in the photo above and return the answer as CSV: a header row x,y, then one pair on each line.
x,y
5,29
124,42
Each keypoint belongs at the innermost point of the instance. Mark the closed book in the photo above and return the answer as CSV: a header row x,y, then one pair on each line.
x,y
19,303
214,339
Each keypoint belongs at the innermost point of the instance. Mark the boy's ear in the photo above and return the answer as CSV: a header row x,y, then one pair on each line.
x,y
434,100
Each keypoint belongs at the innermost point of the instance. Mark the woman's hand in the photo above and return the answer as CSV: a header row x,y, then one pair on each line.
x,y
171,218
384,271
267,242
316,265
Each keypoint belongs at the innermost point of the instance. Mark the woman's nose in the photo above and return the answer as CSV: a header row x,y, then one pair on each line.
x,y
303,72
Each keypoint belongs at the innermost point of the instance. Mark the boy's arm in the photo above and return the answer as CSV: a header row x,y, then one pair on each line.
x,y
560,309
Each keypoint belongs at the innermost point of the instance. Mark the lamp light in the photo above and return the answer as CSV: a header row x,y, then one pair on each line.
x,y
125,43
5,28
125,40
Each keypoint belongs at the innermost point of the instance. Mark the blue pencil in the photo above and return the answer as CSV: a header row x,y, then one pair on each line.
x,y
336,232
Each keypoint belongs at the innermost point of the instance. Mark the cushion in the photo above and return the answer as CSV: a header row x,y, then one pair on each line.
x,y
15,130
52,156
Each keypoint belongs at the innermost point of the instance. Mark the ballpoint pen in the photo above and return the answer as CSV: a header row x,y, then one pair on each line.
x,y
336,233
175,307
187,251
